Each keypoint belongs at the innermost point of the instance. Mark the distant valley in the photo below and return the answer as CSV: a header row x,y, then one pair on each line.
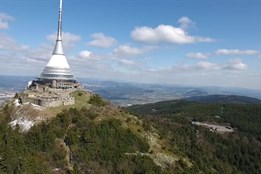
x,y
126,94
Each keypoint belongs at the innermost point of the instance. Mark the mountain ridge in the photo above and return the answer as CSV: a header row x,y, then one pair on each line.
x,y
217,98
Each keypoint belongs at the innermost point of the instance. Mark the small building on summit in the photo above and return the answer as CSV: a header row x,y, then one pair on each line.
x,y
56,82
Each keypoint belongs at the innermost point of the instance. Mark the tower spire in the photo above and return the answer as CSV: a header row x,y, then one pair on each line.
x,y
58,50
58,68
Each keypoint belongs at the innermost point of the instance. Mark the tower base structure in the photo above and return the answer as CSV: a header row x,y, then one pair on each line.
x,y
56,83
50,92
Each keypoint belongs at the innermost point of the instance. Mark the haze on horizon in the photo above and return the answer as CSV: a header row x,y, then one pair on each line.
x,y
203,43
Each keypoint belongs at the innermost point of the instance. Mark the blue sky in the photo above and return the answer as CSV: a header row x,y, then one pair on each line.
x,y
185,42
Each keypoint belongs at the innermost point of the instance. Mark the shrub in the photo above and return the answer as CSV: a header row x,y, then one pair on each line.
x,y
97,100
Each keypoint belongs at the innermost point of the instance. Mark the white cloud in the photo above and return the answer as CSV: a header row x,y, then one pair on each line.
x,y
69,39
40,54
44,51
90,64
100,40
167,34
4,24
125,50
8,43
35,60
185,22
31,62
197,55
127,62
235,52
204,66
207,66
23,59
85,54
235,64
195,68
131,66
4,18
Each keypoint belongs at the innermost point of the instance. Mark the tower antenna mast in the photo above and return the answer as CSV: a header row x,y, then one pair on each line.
x,y
59,33
58,47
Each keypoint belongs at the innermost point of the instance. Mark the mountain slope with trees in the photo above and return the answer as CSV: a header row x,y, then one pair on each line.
x,y
209,151
94,136
91,137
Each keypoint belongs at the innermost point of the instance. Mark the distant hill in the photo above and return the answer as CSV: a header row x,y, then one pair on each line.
x,y
224,99
125,94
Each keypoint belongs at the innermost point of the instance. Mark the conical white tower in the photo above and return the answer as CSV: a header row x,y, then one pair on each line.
x,y
58,68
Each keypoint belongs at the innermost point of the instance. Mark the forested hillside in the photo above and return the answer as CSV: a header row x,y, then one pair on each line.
x,y
211,152
96,137
86,140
